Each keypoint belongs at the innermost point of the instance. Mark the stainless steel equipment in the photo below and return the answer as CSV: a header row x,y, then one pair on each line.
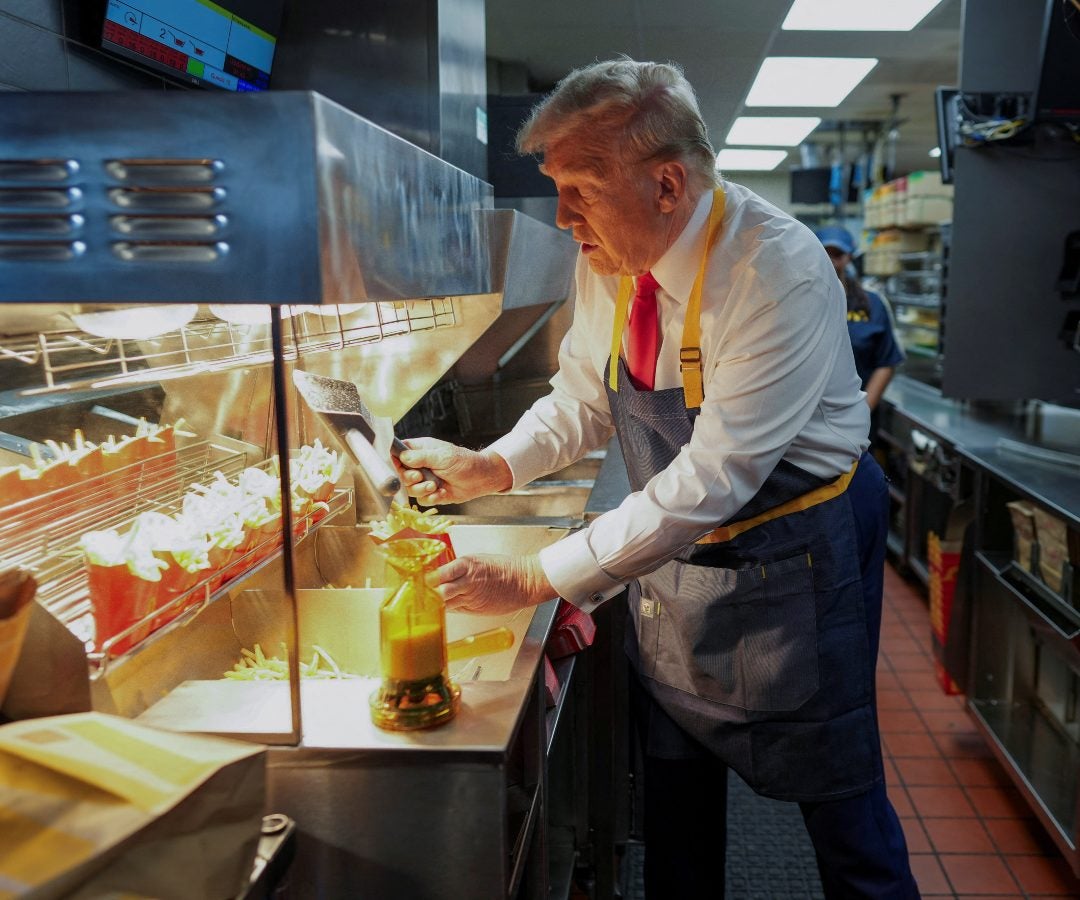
x,y
384,266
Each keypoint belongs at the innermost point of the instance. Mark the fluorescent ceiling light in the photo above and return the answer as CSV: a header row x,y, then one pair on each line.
x,y
807,80
749,160
857,15
771,131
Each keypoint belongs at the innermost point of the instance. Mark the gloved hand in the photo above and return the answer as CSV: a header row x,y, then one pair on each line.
x,y
492,585
465,473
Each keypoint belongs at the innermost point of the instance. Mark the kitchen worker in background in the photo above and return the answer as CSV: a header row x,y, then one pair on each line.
x,y
877,353
753,543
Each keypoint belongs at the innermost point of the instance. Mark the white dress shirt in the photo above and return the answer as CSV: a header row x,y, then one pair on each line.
x,y
779,379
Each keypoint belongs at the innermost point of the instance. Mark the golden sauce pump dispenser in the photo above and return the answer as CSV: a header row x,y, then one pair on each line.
x,y
416,691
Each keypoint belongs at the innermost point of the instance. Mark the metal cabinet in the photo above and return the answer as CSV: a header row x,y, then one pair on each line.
x,y
1024,683
1019,626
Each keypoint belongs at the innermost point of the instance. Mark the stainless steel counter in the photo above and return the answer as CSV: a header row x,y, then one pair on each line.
x,y
454,812
995,439
959,422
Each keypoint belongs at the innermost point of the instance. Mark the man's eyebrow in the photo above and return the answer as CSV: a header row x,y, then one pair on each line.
x,y
589,170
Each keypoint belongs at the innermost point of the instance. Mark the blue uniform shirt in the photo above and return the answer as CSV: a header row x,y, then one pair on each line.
x,y
872,338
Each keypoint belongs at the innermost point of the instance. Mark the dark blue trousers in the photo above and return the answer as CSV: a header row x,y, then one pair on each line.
x,y
860,846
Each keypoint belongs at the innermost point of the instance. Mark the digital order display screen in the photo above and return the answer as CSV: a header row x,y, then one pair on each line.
x,y
197,41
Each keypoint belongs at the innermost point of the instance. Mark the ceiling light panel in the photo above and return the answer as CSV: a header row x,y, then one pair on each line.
x,y
749,160
857,15
807,80
771,131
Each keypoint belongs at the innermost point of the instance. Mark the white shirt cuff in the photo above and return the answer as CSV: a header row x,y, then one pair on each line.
x,y
520,455
571,568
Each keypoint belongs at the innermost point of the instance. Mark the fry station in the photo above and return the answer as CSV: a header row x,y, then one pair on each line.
x,y
174,587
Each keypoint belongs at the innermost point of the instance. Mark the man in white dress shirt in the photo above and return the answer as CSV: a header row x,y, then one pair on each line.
x,y
751,549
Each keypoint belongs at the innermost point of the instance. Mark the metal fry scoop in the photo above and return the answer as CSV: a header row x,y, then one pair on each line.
x,y
339,405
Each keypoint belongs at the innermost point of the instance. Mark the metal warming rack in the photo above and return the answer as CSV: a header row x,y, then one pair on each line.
x,y
71,359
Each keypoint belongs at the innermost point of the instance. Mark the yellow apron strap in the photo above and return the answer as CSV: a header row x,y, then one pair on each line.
x,y
621,303
805,501
690,351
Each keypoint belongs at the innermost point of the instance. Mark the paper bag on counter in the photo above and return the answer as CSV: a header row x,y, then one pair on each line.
x,y
17,589
93,805
51,676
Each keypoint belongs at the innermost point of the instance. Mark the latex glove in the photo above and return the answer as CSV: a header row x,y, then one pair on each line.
x,y
492,585
465,473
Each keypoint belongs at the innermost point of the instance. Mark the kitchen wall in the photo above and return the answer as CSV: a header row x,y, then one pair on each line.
x,y
416,68
53,45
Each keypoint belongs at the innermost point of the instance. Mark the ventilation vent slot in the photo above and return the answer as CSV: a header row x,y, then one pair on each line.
x,y
41,251
31,225
157,227
16,199
37,170
37,210
164,171
168,210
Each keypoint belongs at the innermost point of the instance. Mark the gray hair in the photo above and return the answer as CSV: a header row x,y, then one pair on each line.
x,y
651,105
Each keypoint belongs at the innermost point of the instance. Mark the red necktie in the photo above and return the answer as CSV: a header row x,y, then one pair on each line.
x,y
643,342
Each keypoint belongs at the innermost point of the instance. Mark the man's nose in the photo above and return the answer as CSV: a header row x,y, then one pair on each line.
x,y
565,216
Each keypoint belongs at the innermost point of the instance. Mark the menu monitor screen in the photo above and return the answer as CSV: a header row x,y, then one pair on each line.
x,y
228,45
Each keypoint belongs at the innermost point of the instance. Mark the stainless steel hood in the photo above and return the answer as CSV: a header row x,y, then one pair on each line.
x,y
270,198
534,269
276,197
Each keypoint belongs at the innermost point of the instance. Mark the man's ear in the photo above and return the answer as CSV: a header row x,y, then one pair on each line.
x,y
671,178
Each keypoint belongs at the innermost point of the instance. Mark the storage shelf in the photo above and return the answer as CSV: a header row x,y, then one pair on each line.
x,y
1033,593
923,301
1043,763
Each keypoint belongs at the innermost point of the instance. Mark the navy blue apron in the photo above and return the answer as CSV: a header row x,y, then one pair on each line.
x,y
756,647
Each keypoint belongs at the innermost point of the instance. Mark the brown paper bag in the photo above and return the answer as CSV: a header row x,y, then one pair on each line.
x,y
51,677
93,805
17,589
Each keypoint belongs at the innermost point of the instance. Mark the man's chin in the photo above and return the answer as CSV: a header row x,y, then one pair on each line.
x,y
601,265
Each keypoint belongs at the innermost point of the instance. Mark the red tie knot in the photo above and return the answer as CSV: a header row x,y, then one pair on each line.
x,y
646,285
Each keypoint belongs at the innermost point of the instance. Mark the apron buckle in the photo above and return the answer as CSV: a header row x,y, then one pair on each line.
x,y
689,358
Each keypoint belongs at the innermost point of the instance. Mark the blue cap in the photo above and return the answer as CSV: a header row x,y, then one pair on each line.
x,y
836,236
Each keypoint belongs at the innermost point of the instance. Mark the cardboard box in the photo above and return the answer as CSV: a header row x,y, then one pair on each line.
x,y
1023,522
1053,536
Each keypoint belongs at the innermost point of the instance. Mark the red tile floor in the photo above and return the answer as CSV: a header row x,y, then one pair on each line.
x,y
970,833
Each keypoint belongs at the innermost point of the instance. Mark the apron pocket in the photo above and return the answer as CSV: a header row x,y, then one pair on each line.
x,y
645,613
743,637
